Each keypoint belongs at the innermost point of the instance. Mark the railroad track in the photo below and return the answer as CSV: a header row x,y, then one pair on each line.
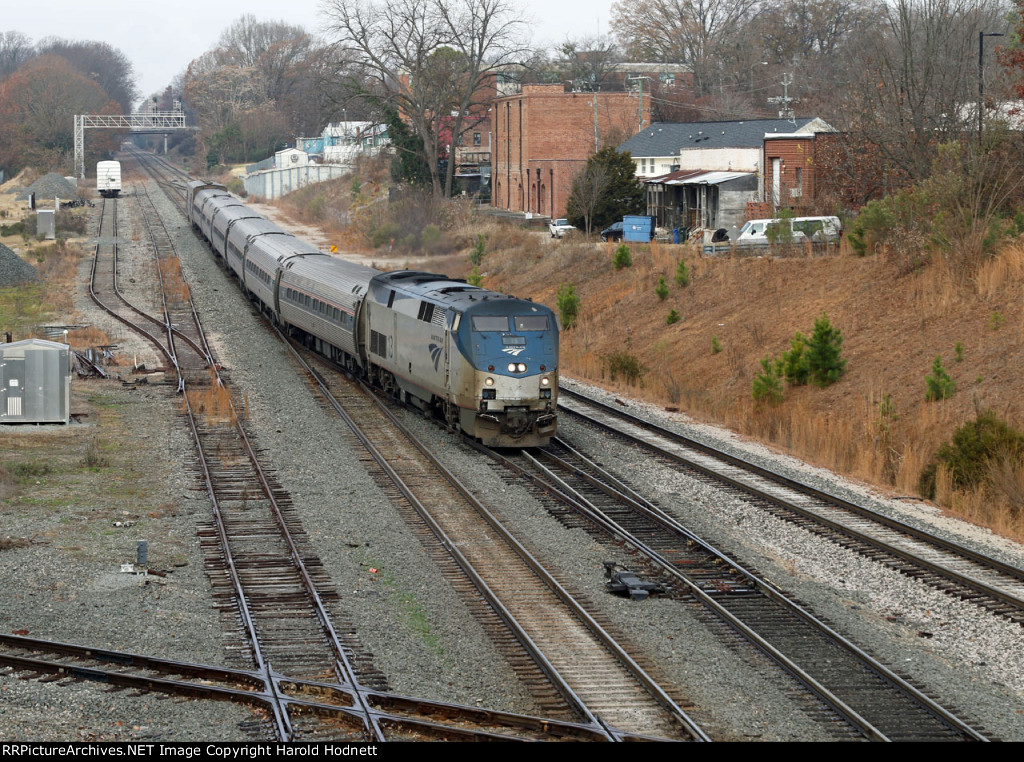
x,y
289,637
943,565
872,700
317,709
592,676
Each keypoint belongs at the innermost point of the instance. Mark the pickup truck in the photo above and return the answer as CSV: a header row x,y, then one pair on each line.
x,y
559,227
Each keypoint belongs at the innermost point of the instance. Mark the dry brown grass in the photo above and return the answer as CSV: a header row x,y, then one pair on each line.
x,y
89,336
893,326
175,287
211,401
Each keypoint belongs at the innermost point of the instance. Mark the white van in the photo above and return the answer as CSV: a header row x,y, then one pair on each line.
x,y
817,229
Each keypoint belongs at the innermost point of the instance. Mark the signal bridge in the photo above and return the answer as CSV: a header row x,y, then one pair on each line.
x,y
149,122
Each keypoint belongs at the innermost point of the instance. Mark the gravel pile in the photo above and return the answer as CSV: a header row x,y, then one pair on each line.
x,y
15,270
50,186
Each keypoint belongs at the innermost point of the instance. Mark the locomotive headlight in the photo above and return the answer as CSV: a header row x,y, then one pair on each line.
x,y
489,381
521,368
511,367
545,381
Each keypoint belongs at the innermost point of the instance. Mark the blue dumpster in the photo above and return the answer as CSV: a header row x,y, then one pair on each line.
x,y
637,228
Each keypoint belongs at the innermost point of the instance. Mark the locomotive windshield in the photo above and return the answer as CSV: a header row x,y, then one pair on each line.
x,y
531,322
490,322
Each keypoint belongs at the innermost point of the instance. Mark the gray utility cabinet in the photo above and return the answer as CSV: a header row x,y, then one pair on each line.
x,y
35,382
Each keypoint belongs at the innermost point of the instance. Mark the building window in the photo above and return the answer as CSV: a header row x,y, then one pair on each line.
x,y
476,138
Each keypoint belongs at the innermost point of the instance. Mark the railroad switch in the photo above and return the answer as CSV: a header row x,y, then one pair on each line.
x,y
625,582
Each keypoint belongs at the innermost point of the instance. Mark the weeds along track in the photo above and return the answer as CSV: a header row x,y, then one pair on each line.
x,y
939,563
569,660
848,690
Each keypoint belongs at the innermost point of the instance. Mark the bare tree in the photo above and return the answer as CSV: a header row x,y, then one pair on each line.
x,y
100,62
15,50
589,62
588,191
681,31
430,59
276,51
912,82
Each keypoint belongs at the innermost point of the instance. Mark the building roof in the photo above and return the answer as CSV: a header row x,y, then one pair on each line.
x,y
669,138
695,177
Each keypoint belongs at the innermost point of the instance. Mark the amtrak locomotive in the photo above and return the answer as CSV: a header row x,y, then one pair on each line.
x,y
484,362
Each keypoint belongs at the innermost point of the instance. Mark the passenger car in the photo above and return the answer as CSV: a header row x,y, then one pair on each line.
x,y
817,229
484,362
560,227
613,232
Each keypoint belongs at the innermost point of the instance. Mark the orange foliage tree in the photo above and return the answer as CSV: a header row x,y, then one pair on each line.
x,y
38,104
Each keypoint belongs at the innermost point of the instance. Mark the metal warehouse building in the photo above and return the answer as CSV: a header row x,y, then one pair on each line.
x,y
35,382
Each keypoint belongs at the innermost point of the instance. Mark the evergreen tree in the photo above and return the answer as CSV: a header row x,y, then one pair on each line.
x,y
767,386
408,166
622,193
822,353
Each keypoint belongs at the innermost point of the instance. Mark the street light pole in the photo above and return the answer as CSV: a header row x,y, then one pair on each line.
x,y
981,75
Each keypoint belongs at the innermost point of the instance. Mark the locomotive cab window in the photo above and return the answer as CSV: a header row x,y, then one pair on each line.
x,y
490,323
531,322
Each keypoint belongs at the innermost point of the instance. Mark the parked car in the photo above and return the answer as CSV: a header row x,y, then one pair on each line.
x,y
613,232
803,228
560,227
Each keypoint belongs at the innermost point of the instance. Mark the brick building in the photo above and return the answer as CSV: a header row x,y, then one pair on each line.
x,y
544,135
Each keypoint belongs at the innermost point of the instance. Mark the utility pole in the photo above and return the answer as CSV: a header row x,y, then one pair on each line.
x,y
786,110
981,76
640,119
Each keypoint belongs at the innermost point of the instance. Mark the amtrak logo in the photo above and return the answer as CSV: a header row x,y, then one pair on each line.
x,y
514,351
435,354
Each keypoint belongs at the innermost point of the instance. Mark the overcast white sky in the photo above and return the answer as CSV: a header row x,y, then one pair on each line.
x,y
161,38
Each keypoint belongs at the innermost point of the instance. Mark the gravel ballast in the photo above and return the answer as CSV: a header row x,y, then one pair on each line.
x,y
421,634
967,657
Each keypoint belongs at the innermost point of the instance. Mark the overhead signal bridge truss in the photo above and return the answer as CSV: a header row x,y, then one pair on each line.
x,y
151,122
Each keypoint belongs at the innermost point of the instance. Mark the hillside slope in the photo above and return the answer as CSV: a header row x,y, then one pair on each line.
x,y
893,326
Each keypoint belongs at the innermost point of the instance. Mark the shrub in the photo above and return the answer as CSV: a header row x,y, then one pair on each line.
x,y
767,386
975,449
682,274
237,186
872,226
940,385
623,257
623,364
316,208
386,233
958,352
662,290
716,345
568,303
673,318
794,362
430,237
823,349
475,278
476,256
781,232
